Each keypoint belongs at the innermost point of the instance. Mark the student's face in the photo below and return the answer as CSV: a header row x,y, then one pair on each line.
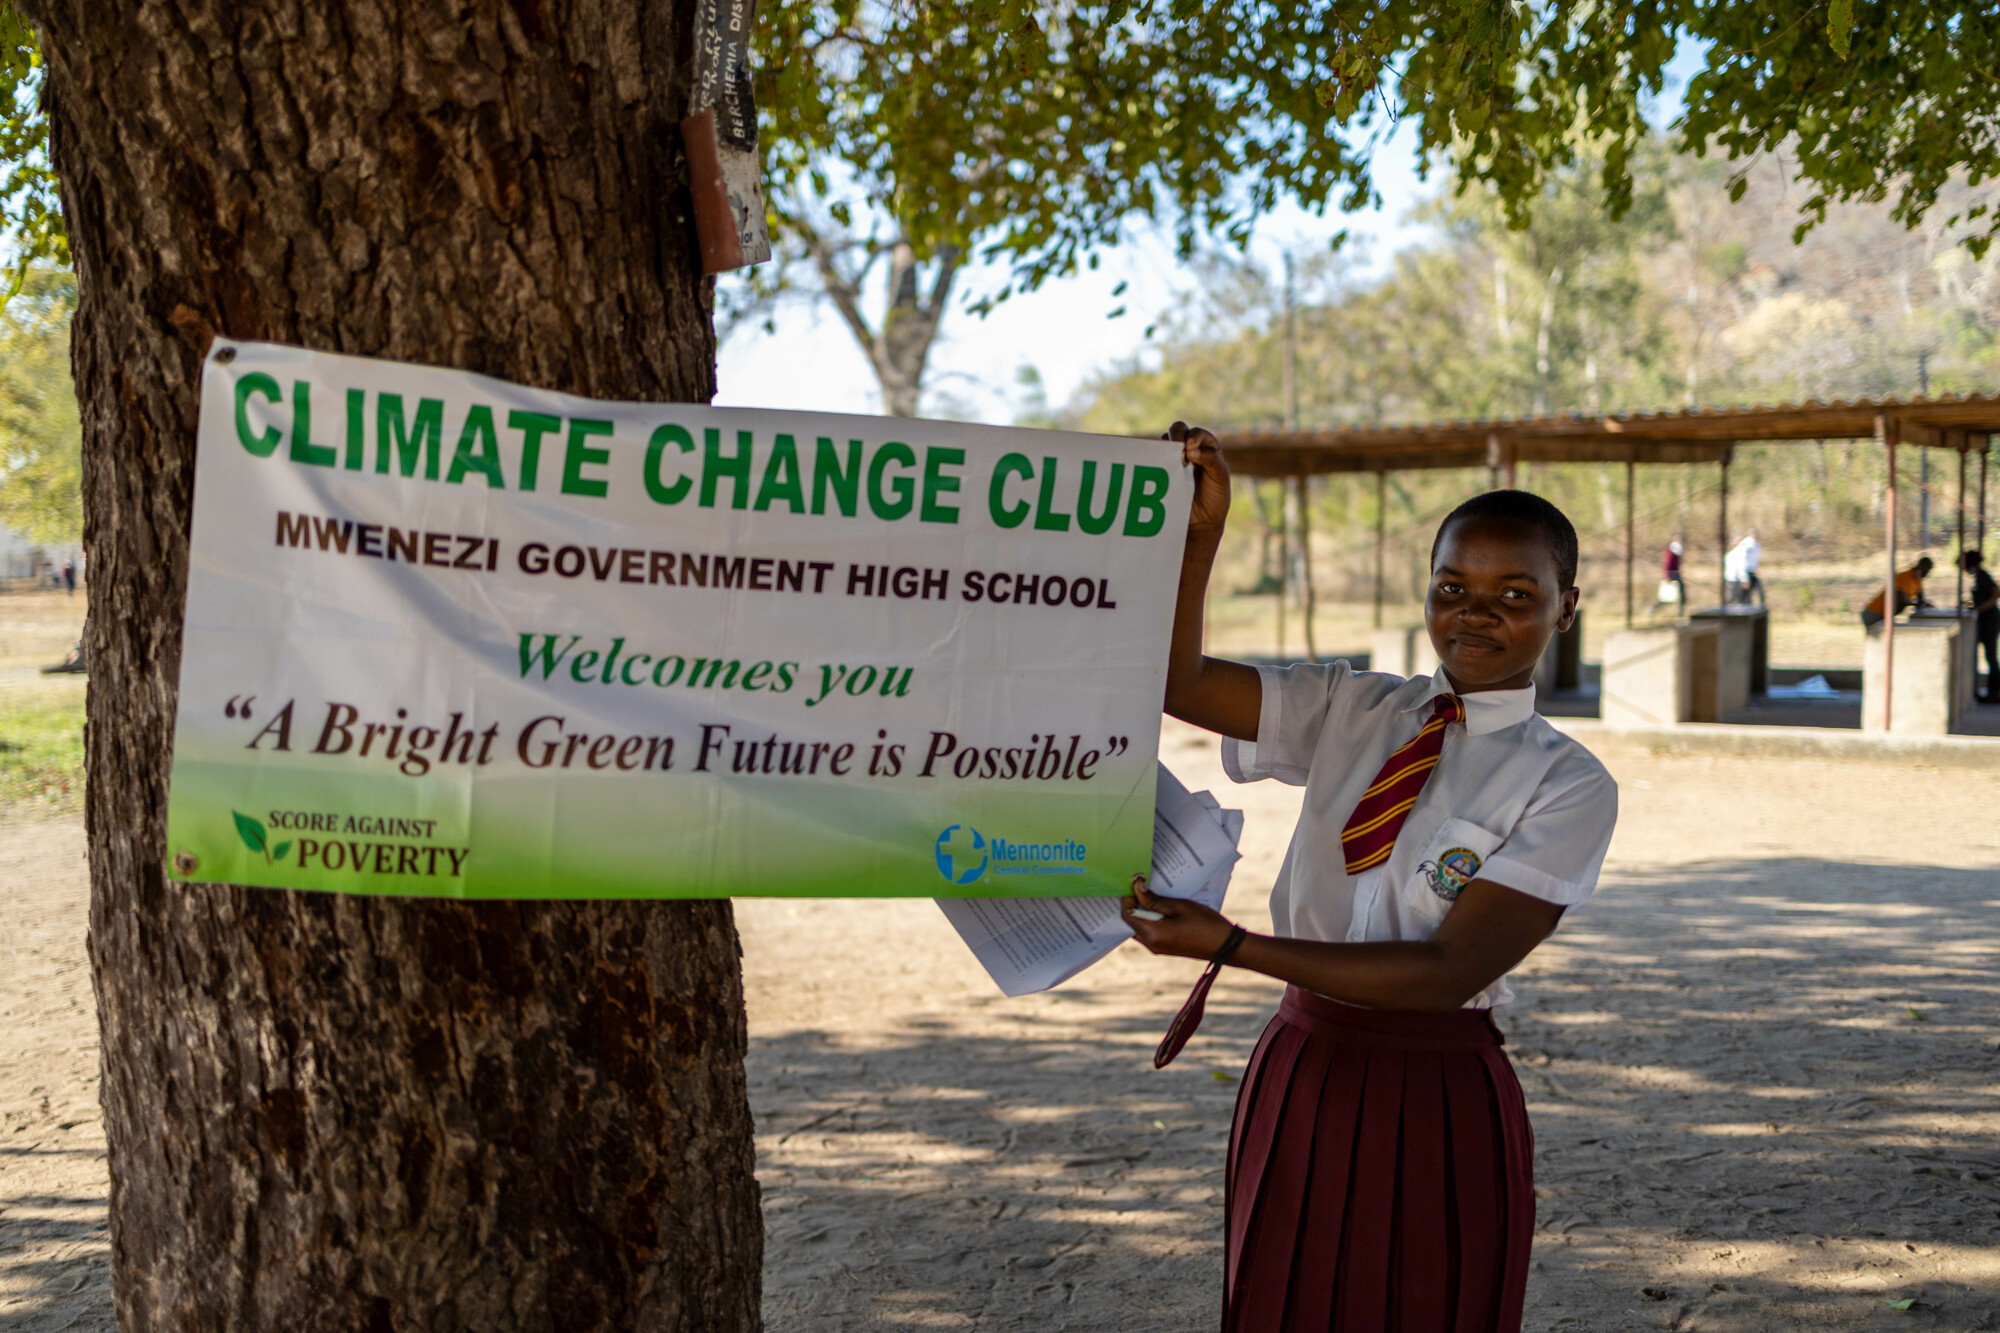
x,y
1494,603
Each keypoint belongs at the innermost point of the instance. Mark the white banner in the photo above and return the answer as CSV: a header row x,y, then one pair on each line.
x,y
449,635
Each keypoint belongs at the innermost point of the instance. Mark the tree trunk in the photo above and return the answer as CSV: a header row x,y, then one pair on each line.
x,y
1543,368
910,328
347,1113
901,350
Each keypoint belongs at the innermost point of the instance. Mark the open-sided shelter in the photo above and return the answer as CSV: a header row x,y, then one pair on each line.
x,y
1963,425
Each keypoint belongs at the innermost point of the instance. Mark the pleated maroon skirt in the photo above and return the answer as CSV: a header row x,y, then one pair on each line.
x,y
1381,1176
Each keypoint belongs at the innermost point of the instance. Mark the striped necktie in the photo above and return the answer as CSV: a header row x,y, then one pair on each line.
x,y
1371,830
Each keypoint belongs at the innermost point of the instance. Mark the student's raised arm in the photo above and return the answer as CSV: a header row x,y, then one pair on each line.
x,y
1221,696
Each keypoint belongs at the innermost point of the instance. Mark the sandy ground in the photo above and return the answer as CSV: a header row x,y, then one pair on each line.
x,y
54,1258
1762,1066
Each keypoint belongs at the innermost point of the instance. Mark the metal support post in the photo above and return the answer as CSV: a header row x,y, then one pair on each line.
x,y
1306,565
1888,440
1722,532
1960,561
1284,564
1923,496
1985,455
1630,519
1381,537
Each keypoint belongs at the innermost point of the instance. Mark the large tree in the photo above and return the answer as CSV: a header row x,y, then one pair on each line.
x,y
346,1113
360,1114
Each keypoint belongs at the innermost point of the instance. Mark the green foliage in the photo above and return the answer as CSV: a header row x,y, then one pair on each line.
x,y
41,441
1903,105
1488,321
1029,132
30,210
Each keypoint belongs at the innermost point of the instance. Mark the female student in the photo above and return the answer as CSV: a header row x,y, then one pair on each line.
x,y
1380,1171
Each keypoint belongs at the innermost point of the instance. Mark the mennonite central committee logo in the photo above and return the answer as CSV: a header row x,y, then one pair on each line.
x,y
965,856
961,854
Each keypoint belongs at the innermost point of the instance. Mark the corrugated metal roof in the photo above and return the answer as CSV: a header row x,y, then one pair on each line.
x,y
1695,435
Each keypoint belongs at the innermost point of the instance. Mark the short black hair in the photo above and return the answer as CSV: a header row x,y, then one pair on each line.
x,y
1924,565
1521,507
1970,560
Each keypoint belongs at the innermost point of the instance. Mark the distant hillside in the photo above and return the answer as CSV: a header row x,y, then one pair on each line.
x,y
1690,300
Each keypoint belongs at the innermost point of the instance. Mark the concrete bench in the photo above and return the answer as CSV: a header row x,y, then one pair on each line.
x,y
1402,650
1739,630
1933,677
1661,675
1744,655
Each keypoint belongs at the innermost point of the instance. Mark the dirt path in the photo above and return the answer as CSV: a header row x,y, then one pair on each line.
x,y
1762,1066
54,1260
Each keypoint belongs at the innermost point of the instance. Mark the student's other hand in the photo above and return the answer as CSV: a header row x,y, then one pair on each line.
x,y
1185,929
1203,452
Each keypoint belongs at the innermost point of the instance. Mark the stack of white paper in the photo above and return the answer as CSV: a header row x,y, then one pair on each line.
x,y
1031,944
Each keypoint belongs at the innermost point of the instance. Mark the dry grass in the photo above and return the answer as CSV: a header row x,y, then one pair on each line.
x,y
41,717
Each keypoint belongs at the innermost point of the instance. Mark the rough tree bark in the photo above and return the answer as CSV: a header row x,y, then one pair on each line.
x,y
336,1113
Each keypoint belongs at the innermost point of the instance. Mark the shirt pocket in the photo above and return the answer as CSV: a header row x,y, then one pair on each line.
x,y
1450,860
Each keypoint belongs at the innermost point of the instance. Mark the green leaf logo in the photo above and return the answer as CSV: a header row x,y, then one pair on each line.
x,y
252,833
256,840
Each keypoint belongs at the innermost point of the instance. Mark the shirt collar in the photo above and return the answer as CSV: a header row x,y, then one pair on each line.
x,y
1485,710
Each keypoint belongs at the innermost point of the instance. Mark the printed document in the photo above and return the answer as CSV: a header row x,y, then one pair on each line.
x,y
1033,944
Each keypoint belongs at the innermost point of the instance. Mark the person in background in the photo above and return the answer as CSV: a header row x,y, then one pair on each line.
x,y
69,576
1984,602
1748,553
1735,582
1909,593
1670,572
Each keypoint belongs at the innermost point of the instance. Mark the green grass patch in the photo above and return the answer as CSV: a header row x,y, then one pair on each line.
x,y
41,745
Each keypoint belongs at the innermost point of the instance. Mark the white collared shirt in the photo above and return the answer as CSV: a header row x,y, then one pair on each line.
x,y
1512,800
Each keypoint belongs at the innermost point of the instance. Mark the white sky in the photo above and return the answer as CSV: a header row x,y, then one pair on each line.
x,y
812,363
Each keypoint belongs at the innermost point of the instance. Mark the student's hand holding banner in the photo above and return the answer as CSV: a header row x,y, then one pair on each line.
x,y
1209,507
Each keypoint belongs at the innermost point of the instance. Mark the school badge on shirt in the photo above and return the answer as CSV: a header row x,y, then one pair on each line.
x,y
1451,872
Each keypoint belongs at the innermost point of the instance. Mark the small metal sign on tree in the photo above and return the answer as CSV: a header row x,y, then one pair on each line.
x,y
721,139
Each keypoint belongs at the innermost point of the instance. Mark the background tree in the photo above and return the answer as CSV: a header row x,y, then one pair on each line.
x,y
898,347
41,494
1688,291
1029,135
351,1113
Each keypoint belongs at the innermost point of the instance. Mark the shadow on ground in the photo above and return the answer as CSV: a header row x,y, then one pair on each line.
x,y
1764,1093
58,1265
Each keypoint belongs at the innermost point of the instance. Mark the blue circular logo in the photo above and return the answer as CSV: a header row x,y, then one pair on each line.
x,y
961,854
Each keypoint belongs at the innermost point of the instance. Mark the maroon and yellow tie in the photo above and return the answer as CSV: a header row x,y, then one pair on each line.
x,y
1371,830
